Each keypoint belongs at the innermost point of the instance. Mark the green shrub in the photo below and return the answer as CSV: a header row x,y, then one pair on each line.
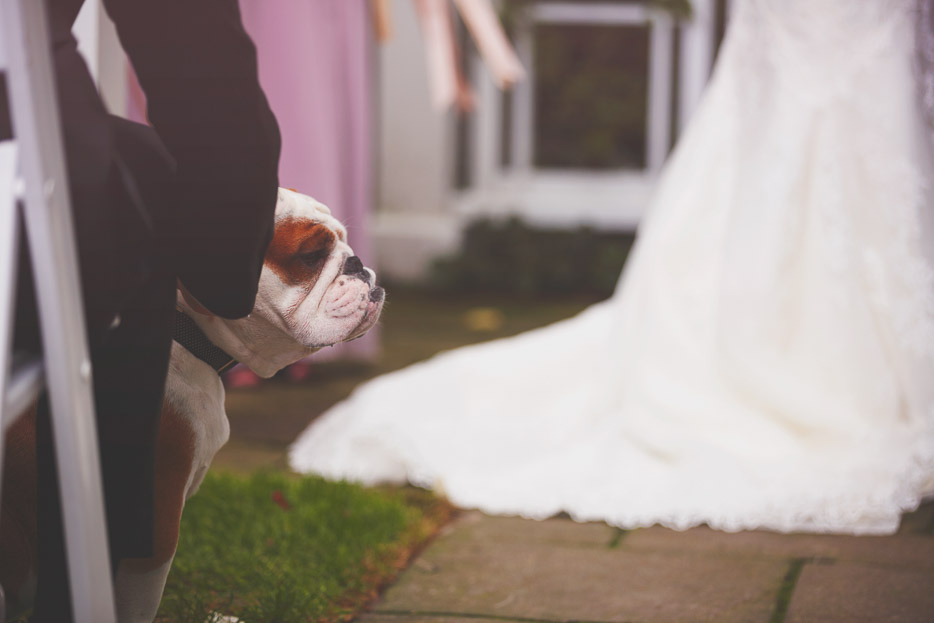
x,y
510,256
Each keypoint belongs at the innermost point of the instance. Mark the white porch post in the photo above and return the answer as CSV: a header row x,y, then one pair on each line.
x,y
486,127
85,29
523,101
697,48
98,43
658,134
112,68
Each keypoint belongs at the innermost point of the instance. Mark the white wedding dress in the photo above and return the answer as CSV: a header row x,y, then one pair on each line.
x,y
767,360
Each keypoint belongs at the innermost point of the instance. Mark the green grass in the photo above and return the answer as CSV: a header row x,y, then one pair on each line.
x,y
275,548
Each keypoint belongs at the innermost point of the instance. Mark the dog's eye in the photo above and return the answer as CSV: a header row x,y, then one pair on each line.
x,y
313,258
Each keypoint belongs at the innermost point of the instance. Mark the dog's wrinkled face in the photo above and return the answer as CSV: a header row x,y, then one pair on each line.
x,y
313,288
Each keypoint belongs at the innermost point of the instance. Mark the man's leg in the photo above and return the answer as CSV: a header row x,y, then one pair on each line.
x,y
130,348
129,377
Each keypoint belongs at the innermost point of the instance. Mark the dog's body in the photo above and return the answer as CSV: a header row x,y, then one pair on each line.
x,y
312,293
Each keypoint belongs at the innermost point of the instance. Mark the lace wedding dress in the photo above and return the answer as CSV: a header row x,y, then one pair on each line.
x,y
767,360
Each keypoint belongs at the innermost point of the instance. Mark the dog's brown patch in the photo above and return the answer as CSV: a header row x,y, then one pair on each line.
x,y
299,249
174,464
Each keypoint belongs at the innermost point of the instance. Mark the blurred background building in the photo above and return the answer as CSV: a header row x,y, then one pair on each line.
x,y
579,142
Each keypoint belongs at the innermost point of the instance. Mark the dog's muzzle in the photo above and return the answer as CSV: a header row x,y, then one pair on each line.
x,y
353,267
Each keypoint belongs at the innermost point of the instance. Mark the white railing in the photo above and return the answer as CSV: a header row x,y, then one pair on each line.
x,y
33,187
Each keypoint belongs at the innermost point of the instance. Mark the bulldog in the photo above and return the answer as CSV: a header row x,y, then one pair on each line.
x,y
313,292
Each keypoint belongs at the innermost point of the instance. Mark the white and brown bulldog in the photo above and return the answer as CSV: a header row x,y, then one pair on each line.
x,y
313,292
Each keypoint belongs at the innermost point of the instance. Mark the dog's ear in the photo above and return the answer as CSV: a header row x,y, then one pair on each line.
x,y
191,300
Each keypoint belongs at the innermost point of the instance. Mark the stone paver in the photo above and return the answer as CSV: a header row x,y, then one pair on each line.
x,y
509,569
559,583
910,550
856,593
475,526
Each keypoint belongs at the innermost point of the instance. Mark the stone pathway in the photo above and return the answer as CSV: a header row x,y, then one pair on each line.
x,y
507,569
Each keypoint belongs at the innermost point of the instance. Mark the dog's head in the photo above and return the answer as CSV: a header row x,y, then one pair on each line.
x,y
312,286
313,292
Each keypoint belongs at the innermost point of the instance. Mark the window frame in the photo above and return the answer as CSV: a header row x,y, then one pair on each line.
x,y
660,75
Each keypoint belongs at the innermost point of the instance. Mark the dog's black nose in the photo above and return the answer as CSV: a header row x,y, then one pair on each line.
x,y
353,266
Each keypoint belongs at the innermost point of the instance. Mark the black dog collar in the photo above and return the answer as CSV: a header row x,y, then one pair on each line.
x,y
190,336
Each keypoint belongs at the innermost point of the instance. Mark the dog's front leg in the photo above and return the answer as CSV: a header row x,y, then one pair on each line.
x,y
138,589
139,582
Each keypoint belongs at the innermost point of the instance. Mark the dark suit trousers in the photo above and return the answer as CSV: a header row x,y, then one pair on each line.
x,y
128,400
129,362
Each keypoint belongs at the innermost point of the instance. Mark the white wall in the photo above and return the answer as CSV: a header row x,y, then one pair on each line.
x,y
414,155
414,160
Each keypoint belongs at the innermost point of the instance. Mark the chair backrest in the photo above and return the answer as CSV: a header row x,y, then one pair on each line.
x,y
33,186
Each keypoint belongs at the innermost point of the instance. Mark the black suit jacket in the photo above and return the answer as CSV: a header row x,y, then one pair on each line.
x,y
201,184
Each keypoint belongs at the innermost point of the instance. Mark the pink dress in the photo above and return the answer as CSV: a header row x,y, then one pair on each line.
x,y
314,65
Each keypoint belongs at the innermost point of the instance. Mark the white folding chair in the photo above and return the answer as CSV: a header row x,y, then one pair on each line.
x,y
33,187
